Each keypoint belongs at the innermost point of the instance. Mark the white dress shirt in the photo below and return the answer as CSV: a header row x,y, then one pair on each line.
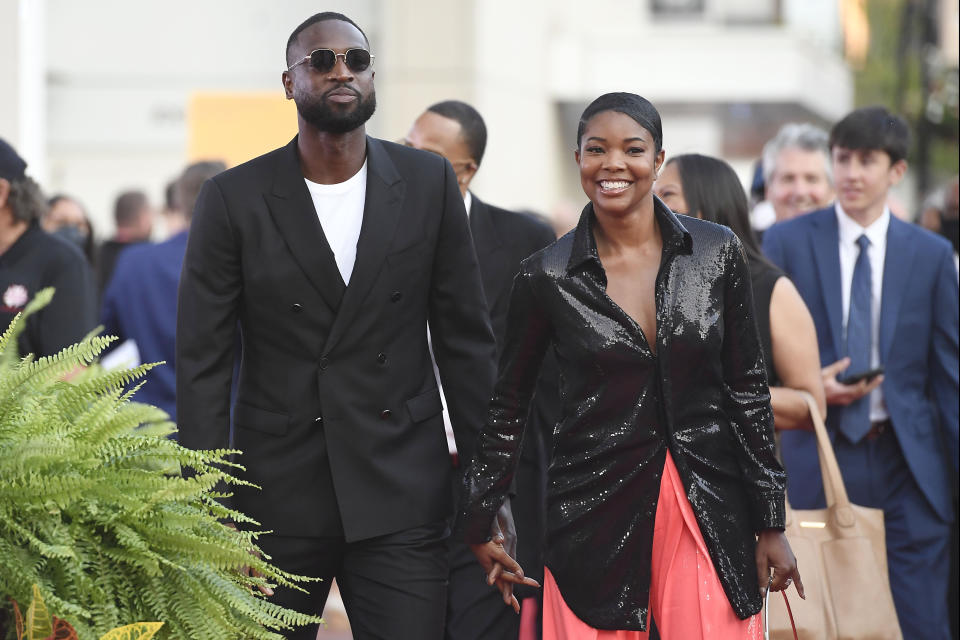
x,y
340,209
850,230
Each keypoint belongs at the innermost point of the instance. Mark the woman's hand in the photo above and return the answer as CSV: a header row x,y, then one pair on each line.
x,y
501,569
773,552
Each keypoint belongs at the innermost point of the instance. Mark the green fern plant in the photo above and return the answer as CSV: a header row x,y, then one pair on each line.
x,y
94,509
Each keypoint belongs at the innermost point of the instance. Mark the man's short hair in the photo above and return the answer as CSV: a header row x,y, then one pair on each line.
x,y
472,128
323,16
128,208
188,185
873,128
796,135
26,199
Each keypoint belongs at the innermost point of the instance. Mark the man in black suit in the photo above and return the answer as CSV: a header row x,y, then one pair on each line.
x,y
332,254
502,239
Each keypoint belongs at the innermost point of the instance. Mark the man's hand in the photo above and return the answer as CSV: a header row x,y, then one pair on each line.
x,y
773,552
246,570
844,394
504,525
496,557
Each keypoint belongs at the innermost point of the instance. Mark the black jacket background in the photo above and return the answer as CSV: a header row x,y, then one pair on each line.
x,y
337,412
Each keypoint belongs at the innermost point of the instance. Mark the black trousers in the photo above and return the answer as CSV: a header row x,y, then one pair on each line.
x,y
475,610
393,586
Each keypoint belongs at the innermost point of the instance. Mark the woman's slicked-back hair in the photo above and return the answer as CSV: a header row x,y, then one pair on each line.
x,y
713,190
630,104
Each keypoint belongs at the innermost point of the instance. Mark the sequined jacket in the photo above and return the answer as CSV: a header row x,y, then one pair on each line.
x,y
703,395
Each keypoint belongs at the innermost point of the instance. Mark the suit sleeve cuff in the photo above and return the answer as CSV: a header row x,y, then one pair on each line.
x,y
769,512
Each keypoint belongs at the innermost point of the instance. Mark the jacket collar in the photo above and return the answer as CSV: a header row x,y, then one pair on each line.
x,y
486,238
381,214
296,218
676,238
292,209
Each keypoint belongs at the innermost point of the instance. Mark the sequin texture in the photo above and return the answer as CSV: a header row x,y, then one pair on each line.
x,y
704,395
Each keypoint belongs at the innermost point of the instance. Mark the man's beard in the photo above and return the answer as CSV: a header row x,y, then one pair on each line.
x,y
321,115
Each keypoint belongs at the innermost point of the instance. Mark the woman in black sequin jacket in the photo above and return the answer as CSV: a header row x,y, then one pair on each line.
x,y
632,269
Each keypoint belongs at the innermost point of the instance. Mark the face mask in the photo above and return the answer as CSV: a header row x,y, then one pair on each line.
x,y
73,235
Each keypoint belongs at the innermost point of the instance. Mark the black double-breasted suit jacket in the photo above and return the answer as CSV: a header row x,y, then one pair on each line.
x,y
337,411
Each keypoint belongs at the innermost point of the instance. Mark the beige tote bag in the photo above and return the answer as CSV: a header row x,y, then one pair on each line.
x,y
842,557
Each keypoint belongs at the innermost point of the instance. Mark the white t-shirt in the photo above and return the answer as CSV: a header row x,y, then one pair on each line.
x,y
340,209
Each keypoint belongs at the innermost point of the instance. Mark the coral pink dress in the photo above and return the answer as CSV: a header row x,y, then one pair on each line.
x,y
686,597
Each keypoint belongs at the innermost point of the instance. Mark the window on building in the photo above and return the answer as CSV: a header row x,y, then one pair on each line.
x,y
677,7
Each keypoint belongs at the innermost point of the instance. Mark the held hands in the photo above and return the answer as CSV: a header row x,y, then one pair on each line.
x,y
844,394
496,557
773,552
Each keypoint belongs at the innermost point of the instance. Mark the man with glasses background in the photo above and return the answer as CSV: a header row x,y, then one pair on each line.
x,y
331,255
502,239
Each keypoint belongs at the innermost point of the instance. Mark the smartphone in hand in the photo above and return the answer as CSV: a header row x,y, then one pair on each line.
x,y
854,378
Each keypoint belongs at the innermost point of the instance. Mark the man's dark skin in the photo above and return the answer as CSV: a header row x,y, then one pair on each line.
x,y
329,158
325,157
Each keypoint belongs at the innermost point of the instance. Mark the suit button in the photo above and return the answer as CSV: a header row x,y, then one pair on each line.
x,y
318,419
385,414
396,296
381,358
296,307
323,363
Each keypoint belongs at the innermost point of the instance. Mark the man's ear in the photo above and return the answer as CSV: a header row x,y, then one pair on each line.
x,y
897,170
287,81
4,192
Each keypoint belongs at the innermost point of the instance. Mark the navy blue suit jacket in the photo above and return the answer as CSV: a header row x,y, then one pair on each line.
x,y
140,304
918,345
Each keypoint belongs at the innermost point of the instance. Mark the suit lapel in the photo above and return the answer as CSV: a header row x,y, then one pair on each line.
x,y
384,199
292,210
897,263
826,249
486,243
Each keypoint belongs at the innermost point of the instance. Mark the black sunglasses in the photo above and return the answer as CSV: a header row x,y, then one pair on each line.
x,y
323,60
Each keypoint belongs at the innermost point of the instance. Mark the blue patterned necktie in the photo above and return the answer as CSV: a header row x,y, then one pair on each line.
x,y
856,417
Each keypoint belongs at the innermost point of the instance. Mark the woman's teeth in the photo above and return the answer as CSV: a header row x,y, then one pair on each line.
x,y
610,185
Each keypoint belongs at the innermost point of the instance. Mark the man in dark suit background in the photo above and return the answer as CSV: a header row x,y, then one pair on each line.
x,y
502,239
333,254
882,293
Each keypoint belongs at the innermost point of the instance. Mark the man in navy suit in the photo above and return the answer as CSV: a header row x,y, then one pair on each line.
x,y
882,293
140,300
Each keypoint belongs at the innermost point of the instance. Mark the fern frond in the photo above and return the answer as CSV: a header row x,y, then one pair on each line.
x,y
94,509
